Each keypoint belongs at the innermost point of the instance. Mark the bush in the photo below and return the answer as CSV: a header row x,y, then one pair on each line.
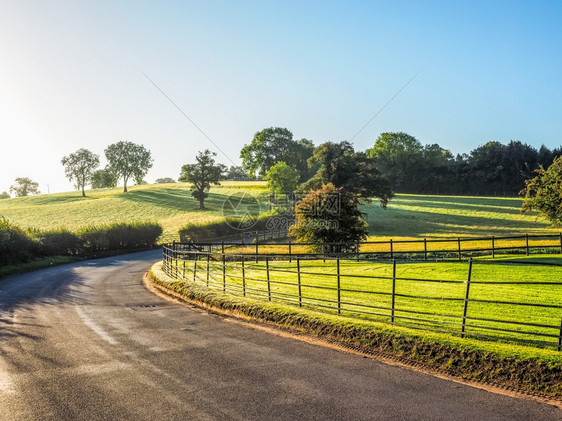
x,y
224,228
120,236
60,242
16,246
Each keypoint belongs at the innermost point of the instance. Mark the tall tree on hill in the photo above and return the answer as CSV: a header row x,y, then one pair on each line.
x,y
202,174
355,172
274,145
127,159
397,155
24,187
80,166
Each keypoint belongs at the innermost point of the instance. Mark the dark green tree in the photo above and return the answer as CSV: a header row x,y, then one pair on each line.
x,y
164,180
329,218
127,159
4,195
236,173
80,166
103,179
24,187
396,155
274,145
202,174
544,192
355,172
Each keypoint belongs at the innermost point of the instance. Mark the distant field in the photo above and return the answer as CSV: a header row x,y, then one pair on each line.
x,y
170,204
407,216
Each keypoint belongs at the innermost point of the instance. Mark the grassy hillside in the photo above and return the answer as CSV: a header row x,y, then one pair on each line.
x,y
173,206
170,204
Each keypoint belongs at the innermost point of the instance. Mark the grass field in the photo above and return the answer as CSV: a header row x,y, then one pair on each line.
x,y
429,295
407,216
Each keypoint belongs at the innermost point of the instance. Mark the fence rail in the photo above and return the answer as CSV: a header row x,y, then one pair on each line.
x,y
426,248
516,310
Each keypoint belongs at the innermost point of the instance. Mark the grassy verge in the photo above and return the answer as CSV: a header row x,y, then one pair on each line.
x,y
36,264
527,369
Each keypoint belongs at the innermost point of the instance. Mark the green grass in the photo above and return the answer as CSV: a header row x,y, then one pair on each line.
x,y
169,204
452,216
515,366
407,216
370,284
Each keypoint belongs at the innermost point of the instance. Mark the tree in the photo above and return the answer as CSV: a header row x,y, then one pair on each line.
x,y
236,173
127,159
4,195
103,179
164,180
329,218
355,172
395,155
24,187
202,174
282,178
544,192
274,145
80,166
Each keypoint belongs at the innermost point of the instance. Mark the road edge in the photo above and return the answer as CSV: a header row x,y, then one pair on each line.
x,y
294,325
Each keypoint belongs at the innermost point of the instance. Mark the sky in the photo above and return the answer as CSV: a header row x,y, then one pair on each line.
x,y
77,74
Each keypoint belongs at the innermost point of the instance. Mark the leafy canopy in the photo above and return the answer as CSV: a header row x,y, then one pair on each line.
x,y
24,186
544,192
127,159
354,172
329,218
282,178
202,174
103,179
80,166
274,145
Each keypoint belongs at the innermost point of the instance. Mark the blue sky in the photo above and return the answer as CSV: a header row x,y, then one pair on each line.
x,y
72,76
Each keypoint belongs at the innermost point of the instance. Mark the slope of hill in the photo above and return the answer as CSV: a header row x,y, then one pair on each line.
x,y
173,206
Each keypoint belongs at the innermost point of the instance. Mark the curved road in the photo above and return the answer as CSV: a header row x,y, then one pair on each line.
x,y
87,341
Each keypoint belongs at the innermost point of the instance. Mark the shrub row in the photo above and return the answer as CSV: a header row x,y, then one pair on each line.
x,y
20,246
223,228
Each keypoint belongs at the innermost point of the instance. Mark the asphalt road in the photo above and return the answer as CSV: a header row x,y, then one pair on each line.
x,y
87,341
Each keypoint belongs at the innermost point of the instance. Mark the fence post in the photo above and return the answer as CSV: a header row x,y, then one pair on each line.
x,y
391,250
257,249
222,247
195,267
299,280
527,244
425,248
268,281
223,273
291,257
560,337
183,269
393,290
493,247
466,297
459,247
561,243
339,285
208,261
243,277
